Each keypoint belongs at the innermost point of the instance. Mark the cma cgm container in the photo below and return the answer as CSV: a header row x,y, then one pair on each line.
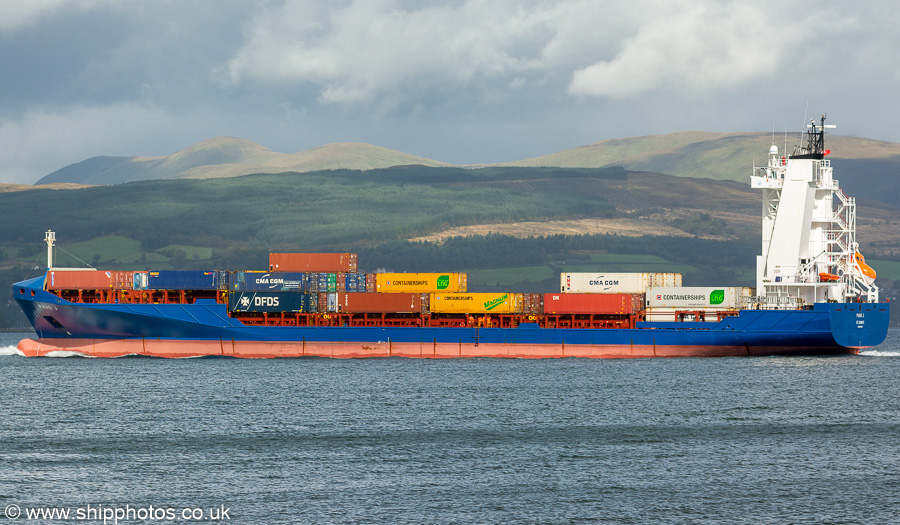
x,y
272,302
721,298
476,303
592,303
365,303
177,280
255,281
630,283
420,282
312,262
88,280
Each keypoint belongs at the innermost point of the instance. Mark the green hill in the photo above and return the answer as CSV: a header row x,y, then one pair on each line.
x,y
230,157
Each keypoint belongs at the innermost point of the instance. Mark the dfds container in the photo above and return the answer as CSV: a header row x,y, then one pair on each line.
x,y
177,280
366,303
697,298
630,283
476,303
88,280
420,282
592,303
272,302
312,262
255,281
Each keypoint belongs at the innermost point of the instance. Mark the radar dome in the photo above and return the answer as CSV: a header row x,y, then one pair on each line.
x,y
773,150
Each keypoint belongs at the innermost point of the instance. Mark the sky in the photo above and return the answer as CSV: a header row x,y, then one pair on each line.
x,y
459,81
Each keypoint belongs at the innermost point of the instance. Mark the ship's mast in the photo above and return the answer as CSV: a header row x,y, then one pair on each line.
x,y
50,239
809,248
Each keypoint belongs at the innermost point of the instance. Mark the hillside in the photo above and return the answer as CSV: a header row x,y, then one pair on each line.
x,y
867,169
230,157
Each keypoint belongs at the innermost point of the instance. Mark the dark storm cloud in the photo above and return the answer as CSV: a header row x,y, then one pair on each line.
x,y
465,82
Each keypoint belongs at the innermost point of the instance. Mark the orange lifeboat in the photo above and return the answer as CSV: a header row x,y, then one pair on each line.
x,y
868,273
826,277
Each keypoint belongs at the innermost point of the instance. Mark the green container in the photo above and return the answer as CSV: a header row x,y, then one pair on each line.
x,y
332,282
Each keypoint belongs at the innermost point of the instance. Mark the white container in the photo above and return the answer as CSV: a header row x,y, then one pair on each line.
x,y
697,298
600,282
670,315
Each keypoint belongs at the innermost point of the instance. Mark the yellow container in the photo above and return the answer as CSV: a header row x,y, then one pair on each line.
x,y
420,282
476,303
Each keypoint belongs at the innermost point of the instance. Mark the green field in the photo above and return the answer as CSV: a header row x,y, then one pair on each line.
x,y
886,269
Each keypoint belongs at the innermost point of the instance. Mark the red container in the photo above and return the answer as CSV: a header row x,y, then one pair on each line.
x,y
312,262
80,280
366,303
591,303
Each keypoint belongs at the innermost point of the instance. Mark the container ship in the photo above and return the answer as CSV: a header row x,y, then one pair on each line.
x,y
814,295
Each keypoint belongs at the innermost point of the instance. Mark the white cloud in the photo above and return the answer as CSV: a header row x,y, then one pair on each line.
x,y
364,51
701,47
367,49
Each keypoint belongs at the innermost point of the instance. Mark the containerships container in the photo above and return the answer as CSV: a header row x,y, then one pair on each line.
x,y
592,303
312,262
476,303
273,302
363,302
177,280
255,281
721,298
600,282
420,282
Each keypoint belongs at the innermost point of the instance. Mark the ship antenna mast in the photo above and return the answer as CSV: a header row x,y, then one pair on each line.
x,y
50,239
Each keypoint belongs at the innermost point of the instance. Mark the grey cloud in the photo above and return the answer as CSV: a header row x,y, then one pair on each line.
x,y
466,81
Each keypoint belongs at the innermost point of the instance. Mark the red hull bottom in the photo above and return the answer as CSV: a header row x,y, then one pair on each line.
x,y
266,349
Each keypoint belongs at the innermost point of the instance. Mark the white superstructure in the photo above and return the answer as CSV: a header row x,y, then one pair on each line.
x,y
809,248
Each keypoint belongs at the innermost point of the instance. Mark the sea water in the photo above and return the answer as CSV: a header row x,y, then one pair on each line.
x,y
684,440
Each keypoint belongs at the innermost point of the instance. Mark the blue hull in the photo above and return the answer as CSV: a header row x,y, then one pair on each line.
x,y
827,328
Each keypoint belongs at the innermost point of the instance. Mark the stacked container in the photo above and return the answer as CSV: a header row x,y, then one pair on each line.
x,y
176,280
663,303
420,282
272,302
592,303
628,283
476,303
313,262
88,279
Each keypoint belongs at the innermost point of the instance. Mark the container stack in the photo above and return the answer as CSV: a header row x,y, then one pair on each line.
x,y
331,283
669,304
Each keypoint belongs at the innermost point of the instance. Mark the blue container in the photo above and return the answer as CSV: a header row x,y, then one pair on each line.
x,y
270,281
322,280
179,280
272,302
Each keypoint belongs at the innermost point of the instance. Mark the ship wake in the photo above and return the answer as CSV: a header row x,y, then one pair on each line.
x,y
10,350
879,353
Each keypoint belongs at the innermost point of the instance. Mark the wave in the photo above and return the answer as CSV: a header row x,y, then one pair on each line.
x,y
65,353
879,353
10,350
